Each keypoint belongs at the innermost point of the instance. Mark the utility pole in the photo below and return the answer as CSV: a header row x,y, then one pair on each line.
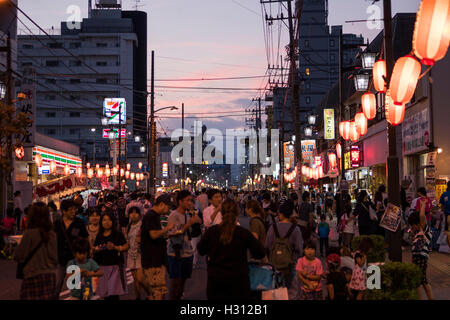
x,y
341,102
393,166
151,154
182,127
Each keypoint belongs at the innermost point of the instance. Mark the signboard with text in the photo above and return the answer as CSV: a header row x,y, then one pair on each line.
x,y
165,170
308,147
28,105
289,157
328,116
116,133
115,109
416,132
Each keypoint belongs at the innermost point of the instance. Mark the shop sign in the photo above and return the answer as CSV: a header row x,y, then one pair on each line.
x,y
115,110
441,187
61,185
355,157
289,157
165,169
116,133
308,147
347,161
328,116
416,132
61,159
28,105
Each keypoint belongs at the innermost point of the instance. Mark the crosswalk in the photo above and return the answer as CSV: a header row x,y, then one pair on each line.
x,y
65,295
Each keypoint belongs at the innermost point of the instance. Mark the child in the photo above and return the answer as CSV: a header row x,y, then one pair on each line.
x,y
89,268
421,245
324,232
337,285
107,252
358,283
93,226
134,253
309,271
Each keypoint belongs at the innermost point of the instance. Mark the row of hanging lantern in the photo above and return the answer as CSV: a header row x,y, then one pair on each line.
x,y
431,40
312,173
290,176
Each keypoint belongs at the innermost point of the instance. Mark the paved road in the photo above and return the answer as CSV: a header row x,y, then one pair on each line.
x,y
438,275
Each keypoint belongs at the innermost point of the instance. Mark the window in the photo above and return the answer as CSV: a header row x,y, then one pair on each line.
x,y
308,100
55,45
75,114
51,81
332,43
51,132
27,64
50,97
307,71
308,86
102,45
332,57
101,81
28,46
74,63
102,63
73,81
101,98
75,45
74,131
52,63
50,114
74,97
306,43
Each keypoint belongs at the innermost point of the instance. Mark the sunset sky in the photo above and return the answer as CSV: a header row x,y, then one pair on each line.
x,y
208,38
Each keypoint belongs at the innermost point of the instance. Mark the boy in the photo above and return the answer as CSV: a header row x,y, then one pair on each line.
x,y
89,268
324,232
421,245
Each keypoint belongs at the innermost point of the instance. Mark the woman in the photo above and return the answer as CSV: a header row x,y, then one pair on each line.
x,y
380,203
366,225
257,221
39,246
348,226
306,217
226,246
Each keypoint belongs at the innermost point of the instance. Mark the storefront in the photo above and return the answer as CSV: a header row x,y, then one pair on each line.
x,y
375,154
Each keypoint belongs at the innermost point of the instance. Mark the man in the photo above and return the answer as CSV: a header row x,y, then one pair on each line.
x,y
445,202
203,199
154,248
68,229
18,208
180,252
212,214
92,201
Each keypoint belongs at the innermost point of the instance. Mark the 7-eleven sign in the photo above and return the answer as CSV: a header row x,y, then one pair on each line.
x,y
115,109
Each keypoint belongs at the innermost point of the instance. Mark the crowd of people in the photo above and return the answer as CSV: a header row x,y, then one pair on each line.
x,y
163,238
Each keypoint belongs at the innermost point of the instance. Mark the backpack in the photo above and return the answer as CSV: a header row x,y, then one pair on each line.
x,y
281,253
265,223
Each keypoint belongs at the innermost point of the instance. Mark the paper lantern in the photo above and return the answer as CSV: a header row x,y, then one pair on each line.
x,y
404,79
137,183
132,176
339,150
88,165
115,171
90,173
432,31
52,167
107,166
320,172
128,166
108,172
38,160
20,152
66,170
369,105
142,176
316,174
394,113
122,172
100,173
97,166
127,174
344,129
361,123
354,132
79,172
140,165
332,160
379,73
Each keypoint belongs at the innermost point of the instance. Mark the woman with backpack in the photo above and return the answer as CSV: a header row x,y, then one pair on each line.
x,y
258,222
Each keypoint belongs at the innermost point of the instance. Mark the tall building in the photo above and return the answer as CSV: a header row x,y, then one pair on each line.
x,y
103,57
318,63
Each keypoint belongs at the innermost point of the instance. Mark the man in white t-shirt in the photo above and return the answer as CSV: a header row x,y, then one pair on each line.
x,y
212,214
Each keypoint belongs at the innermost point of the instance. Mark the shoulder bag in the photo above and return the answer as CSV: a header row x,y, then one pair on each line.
x,y
21,265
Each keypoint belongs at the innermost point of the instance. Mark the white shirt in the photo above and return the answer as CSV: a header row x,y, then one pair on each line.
x,y
349,225
207,214
18,203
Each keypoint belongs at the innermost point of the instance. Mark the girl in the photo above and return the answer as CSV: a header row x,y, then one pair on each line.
x,y
107,248
358,283
310,271
93,227
134,253
348,226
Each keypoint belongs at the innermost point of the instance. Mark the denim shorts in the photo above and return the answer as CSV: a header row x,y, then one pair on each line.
x,y
180,268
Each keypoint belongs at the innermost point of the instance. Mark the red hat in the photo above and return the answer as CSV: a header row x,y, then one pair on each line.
x,y
334,259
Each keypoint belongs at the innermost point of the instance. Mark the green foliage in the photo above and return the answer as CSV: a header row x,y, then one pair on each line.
x,y
377,253
399,281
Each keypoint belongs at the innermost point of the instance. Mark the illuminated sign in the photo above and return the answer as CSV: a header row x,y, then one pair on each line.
x,y
115,110
328,116
347,161
355,157
165,169
308,147
116,131
60,158
289,157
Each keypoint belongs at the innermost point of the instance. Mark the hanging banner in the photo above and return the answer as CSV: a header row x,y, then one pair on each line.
x,y
289,157
63,185
416,132
308,147
28,105
328,116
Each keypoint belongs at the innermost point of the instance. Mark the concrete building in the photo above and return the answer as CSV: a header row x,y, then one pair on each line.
x,y
105,57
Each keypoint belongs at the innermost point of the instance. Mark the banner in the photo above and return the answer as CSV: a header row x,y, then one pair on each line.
x,y
58,186
328,116
28,105
289,157
416,132
308,147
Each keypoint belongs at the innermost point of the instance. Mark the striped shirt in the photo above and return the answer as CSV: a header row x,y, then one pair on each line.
x,y
421,244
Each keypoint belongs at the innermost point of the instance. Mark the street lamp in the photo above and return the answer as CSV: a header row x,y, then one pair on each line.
x,y
142,148
361,81
111,134
368,60
104,121
92,129
308,132
312,120
137,139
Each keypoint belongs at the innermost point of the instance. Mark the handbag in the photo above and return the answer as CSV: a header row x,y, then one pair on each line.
x,y
261,277
21,265
276,294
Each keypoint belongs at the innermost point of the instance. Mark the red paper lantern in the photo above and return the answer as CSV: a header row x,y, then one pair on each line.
x,y
88,165
122,172
140,165
404,79
344,129
320,172
108,172
127,174
20,152
354,132
339,150
361,123
97,166
394,113
369,105
137,183
132,176
332,160
115,171
90,173
432,31
128,166
100,173
38,160
379,75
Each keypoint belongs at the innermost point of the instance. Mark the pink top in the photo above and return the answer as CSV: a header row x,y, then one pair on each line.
x,y
428,207
8,223
312,268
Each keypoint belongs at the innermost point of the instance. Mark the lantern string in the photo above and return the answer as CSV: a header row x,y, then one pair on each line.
x,y
425,72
